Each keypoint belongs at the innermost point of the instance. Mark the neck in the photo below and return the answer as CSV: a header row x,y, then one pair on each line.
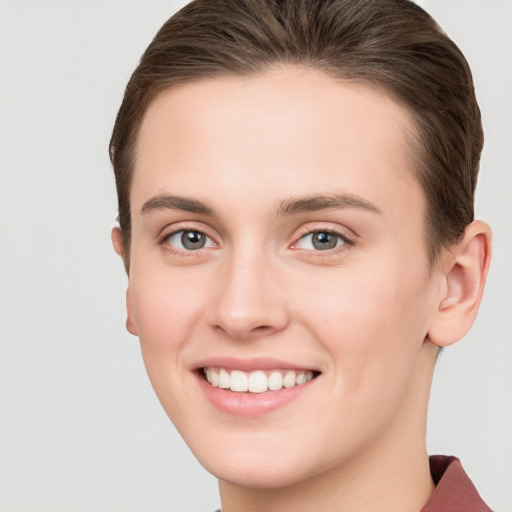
x,y
392,475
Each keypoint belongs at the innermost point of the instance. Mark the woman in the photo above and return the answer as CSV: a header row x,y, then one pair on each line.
x,y
296,183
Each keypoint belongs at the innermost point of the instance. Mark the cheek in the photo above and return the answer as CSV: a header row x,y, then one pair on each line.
x,y
166,309
372,324
166,306
373,330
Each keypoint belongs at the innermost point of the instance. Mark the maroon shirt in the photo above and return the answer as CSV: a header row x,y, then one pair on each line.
x,y
454,492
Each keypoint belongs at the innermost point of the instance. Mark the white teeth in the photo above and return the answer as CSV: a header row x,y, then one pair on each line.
x,y
302,378
289,379
257,381
275,381
239,381
224,380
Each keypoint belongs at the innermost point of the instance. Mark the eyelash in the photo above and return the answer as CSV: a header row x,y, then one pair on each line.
x,y
163,241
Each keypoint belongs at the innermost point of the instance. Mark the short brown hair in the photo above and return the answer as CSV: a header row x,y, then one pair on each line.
x,y
393,44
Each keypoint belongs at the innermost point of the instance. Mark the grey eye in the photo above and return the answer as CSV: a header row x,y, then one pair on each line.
x,y
189,240
321,241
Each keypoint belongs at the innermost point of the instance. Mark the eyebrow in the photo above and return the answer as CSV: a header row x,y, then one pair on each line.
x,y
302,204
317,202
169,202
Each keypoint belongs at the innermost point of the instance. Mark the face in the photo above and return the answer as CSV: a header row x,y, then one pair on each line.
x,y
279,278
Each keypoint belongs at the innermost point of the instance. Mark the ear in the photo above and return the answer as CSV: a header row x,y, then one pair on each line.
x,y
464,274
117,242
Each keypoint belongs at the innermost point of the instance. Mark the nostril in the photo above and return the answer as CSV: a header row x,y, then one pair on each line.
x,y
245,331
262,328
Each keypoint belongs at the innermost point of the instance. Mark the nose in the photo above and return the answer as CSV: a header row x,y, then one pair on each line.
x,y
248,302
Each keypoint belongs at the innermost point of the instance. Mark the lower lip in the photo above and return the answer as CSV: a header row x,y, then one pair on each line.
x,y
251,404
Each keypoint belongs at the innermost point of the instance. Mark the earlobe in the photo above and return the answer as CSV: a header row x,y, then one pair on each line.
x,y
131,326
463,286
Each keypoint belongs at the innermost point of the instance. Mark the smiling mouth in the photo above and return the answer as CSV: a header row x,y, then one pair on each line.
x,y
258,381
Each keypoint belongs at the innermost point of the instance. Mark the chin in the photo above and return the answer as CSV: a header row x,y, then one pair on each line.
x,y
263,460
271,473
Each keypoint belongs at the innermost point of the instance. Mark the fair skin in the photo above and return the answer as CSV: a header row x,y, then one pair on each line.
x,y
276,275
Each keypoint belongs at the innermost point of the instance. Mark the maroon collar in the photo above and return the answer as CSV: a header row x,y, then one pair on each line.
x,y
454,492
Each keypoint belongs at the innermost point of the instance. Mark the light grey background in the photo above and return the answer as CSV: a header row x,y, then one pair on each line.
x,y
80,427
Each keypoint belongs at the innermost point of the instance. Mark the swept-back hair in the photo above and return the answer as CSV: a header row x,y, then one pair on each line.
x,y
392,44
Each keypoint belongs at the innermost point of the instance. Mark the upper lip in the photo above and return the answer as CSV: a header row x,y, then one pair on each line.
x,y
250,364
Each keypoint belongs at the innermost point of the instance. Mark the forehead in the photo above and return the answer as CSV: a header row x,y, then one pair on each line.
x,y
293,128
